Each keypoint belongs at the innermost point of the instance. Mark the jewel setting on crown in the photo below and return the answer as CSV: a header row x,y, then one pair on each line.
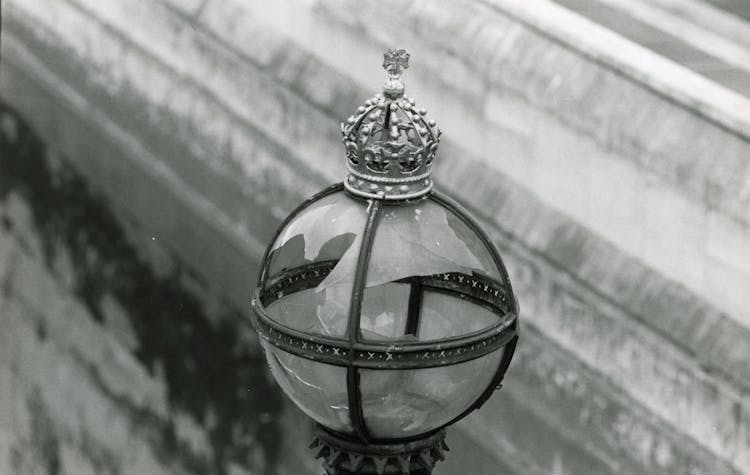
x,y
390,143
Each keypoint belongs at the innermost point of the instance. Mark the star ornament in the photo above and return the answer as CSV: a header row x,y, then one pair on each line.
x,y
395,61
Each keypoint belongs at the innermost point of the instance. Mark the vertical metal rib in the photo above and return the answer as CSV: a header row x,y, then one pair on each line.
x,y
360,278
415,307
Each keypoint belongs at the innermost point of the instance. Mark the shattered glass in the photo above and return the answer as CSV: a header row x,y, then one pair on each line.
x,y
421,240
318,389
326,231
425,239
406,403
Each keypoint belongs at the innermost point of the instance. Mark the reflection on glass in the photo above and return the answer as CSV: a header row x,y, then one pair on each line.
x,y
321,234
325,230
318,389
406,403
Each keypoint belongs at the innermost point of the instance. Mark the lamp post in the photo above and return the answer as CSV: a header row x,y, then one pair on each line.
x,y
384,311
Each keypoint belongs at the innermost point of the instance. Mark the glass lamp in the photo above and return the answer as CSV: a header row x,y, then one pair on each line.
x,y
384,311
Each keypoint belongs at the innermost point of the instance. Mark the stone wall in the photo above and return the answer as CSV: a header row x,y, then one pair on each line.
x,y
109,365
615,183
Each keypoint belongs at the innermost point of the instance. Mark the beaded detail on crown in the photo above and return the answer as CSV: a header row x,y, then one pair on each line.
x,y
390,143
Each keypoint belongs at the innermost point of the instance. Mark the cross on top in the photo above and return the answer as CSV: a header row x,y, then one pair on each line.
x,y
395,61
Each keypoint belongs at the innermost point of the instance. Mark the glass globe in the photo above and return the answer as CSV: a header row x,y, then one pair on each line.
x,y
384,320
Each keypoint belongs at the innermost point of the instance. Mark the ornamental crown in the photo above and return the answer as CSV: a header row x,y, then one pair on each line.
x,y
390,143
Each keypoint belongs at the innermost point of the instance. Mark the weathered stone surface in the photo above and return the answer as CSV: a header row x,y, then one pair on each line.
x,y
581,409
109,367
603,333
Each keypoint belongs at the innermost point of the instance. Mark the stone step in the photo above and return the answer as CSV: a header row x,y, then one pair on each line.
x,y
739,8
722,60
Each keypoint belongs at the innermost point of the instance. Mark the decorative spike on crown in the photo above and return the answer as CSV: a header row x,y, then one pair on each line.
x,y
390,144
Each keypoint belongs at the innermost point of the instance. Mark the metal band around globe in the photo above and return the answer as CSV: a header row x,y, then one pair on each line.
x,y
379,185
380,195
383,355
477,288
383,196
388,180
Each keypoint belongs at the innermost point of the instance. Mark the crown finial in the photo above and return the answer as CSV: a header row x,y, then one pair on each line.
x,y
394,62
390,144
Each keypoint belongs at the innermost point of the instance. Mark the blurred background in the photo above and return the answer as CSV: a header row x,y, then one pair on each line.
x,y
149,149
